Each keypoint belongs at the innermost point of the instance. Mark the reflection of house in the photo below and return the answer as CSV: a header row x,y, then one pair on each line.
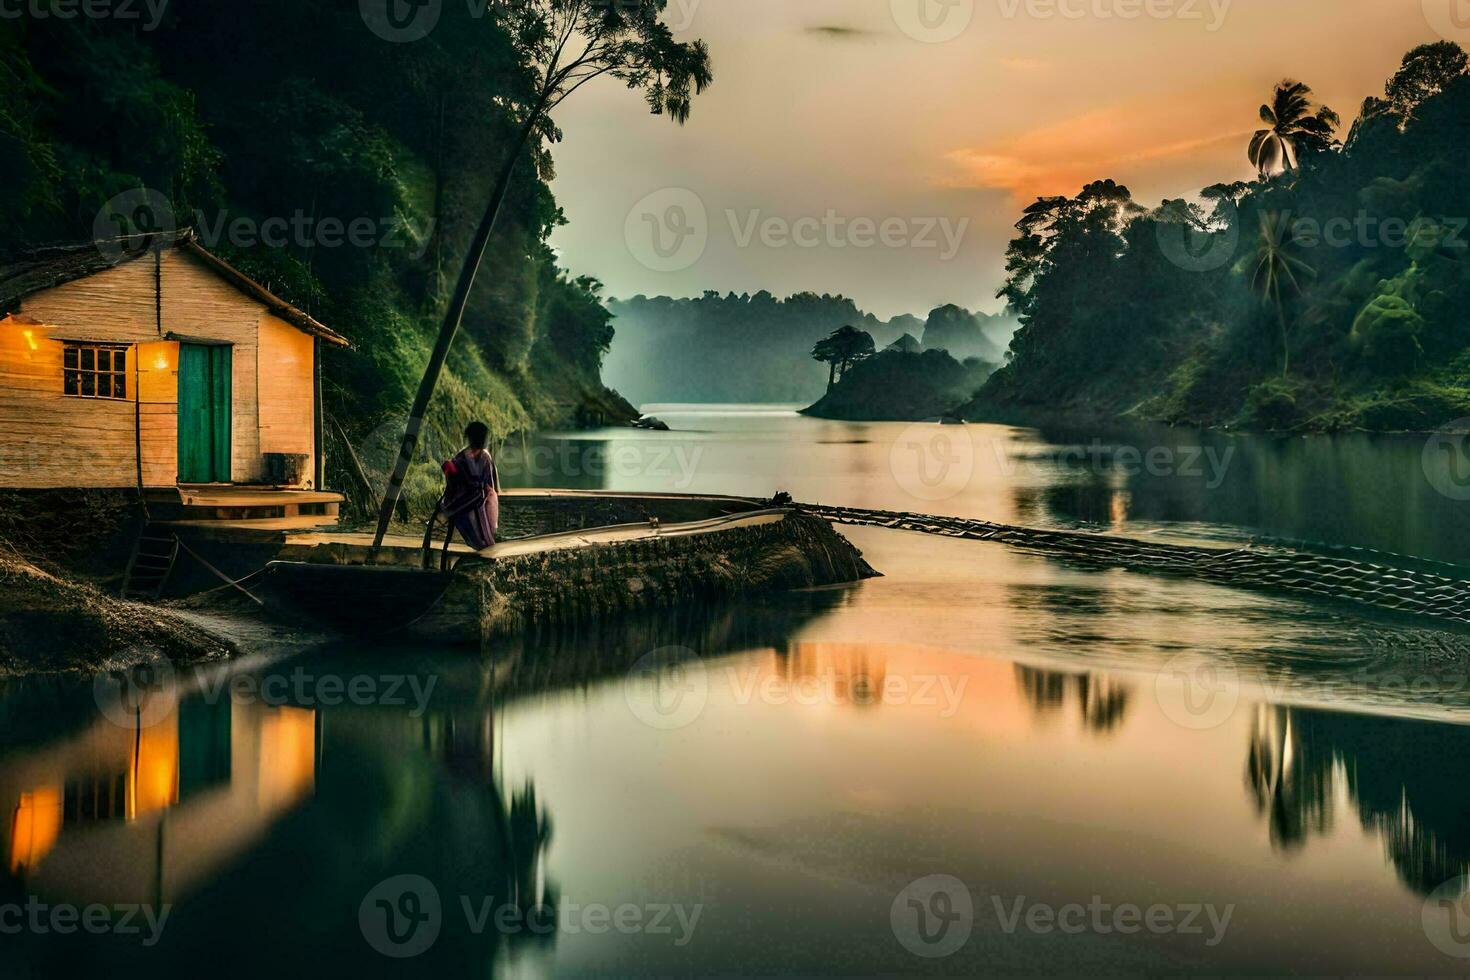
x,y
125,814
161,365
852,673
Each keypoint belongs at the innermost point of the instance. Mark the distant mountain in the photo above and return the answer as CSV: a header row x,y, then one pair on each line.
x,y
757,348
745,348
965,334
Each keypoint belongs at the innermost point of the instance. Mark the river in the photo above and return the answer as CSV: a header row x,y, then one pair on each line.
x,y
982,762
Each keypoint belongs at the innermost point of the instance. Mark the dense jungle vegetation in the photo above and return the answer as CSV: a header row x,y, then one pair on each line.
x,y
1328,294
296,110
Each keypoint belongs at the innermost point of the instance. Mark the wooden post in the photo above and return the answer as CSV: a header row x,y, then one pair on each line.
x,y
319,474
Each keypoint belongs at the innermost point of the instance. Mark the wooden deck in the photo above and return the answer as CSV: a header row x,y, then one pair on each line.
x,y
267,509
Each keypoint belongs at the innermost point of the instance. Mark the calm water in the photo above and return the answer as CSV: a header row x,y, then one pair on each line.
x,y
1185,777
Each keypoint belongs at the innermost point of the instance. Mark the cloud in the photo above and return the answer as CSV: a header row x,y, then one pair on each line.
x,y
1131,144
838,32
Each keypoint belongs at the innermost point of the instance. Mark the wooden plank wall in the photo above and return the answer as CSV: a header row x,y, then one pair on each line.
x,y
50,440
287,391
197,303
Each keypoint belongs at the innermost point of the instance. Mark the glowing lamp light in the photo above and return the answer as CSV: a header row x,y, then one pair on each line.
x,y
30,336
160,363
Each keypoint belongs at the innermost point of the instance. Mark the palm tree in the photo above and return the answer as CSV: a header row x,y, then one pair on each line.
x,y
1297,127
1278,271
564,44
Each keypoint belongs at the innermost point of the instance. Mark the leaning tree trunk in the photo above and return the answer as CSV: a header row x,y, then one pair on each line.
x,y
453,316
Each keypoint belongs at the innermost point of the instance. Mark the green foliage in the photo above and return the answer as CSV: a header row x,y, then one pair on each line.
x,y
1387,335
843,348
293,110
1352,269
896,385
1272,404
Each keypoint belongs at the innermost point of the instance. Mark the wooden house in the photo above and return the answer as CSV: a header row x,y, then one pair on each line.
x,y
155,364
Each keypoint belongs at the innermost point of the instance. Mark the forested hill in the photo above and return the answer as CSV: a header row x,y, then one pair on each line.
x,y
757,348
1330,293
272,126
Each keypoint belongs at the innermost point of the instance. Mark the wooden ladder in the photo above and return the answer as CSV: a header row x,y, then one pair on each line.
x,y
151,563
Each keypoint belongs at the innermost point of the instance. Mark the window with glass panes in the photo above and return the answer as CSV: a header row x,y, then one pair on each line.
x,y
95,371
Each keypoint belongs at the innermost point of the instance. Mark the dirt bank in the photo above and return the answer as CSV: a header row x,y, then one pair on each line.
x,y
49,624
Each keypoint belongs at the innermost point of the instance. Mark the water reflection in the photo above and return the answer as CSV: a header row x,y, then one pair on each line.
x,y
1373,491
164,805
1099,701
219,808
1406,780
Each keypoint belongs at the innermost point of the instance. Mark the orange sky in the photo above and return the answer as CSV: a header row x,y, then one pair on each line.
x,y
829,106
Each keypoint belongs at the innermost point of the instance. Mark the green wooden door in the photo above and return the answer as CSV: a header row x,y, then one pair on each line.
x,y
205,373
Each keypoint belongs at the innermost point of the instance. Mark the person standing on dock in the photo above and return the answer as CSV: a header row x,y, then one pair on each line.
x,y
472,489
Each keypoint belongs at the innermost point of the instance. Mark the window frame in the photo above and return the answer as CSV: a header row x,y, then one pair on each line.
x,y
81,362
